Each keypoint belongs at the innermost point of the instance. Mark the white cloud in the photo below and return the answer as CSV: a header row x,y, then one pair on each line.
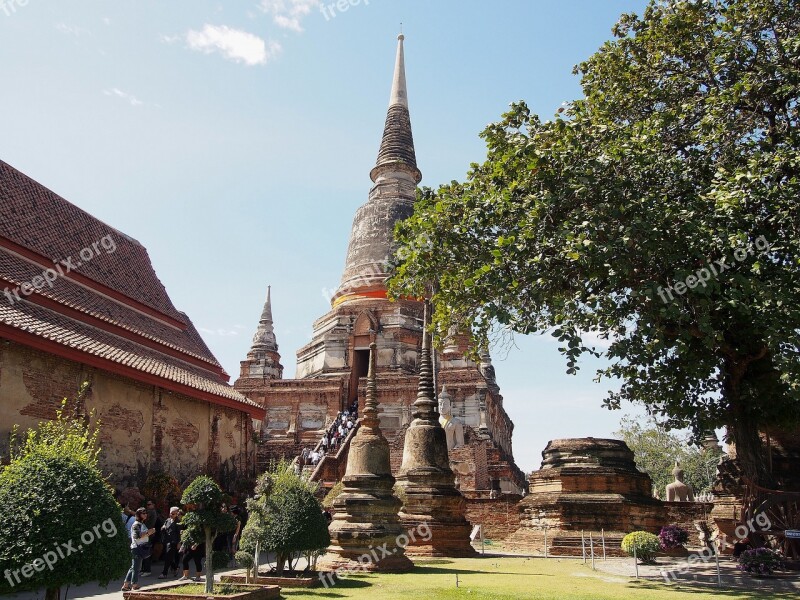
x,y
233,44
118,93
289,14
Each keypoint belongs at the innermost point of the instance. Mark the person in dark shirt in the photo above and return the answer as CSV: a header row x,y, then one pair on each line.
x,y
171,538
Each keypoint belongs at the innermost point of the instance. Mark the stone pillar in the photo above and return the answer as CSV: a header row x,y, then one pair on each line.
x,y
366,533
433,509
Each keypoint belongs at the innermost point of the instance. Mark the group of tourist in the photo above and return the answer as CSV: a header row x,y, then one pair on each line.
x,y
332,438
154,539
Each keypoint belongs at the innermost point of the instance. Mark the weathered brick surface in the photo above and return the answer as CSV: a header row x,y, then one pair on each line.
x,y
143,427
498,517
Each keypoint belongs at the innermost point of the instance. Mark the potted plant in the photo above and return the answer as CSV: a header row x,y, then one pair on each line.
x,y
643,545
760,562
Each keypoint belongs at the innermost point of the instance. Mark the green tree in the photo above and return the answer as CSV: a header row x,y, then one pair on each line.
x,y
659,212
60,525
657,450
203,499
286,518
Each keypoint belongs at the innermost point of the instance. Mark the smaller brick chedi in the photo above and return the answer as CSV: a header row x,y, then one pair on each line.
x,y
366,529
431,499
586,485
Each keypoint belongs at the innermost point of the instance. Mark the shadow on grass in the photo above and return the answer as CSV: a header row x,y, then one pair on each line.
x,y
330,592
439,571
740,593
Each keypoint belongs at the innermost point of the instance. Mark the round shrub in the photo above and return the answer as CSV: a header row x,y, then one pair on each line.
x,y
672,536
220,559
245,559
645,544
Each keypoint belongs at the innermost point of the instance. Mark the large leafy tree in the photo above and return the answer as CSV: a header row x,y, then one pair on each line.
x,y
679,164
657,450
61,525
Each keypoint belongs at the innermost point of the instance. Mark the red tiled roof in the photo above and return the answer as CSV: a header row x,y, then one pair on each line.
x,y
36,218
112,308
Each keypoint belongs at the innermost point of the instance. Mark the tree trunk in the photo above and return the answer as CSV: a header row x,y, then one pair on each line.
x,y
209,562
52,594
280,561
745,429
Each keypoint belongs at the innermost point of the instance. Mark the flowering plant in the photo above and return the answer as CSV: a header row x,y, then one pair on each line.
x,y
672,536
760,561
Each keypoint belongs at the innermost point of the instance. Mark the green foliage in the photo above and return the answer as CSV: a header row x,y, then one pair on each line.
x,y
203,499
332,494
683,152
285,516
245,559
645,543
54,498
220,559
657,450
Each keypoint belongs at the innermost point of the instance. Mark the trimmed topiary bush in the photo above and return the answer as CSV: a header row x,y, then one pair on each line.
x,y
246,561
672,536
286,518
203,498
645,544
61,525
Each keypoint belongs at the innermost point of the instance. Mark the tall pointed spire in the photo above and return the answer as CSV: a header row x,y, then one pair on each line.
x,y
366,510
430,495
399,88
391,199
397,154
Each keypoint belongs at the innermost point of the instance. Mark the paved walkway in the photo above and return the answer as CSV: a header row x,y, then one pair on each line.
x,y
113,591
681,572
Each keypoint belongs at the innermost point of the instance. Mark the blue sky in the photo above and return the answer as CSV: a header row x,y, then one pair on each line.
x,y
234,140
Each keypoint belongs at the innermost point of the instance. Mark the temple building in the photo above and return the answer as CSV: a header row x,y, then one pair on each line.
x,y
332,367
81,303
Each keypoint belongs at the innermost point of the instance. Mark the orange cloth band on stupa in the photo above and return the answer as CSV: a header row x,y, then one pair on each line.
x,y
381,294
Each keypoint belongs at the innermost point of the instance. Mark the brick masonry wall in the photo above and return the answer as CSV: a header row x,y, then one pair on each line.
x,y
498,517
143,427
686,514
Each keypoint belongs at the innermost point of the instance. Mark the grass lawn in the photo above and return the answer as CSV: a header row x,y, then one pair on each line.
x,y
512,579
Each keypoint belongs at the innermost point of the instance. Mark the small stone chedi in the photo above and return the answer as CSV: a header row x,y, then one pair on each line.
x,y
432,501
586,485
366,525
678,491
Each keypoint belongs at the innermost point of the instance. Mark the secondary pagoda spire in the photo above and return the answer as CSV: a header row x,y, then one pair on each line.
x,y
264,339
